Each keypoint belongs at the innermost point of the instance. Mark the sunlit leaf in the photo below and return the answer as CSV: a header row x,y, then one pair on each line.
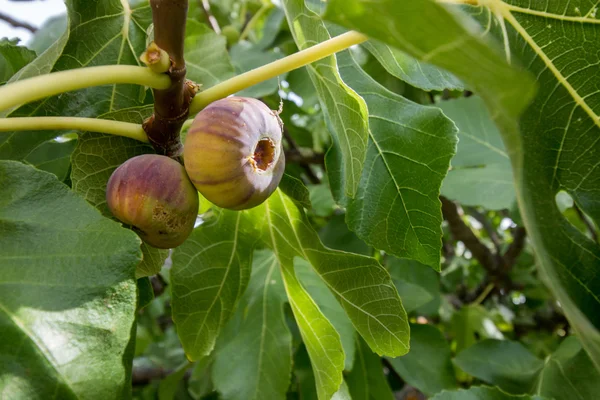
x,y
68,293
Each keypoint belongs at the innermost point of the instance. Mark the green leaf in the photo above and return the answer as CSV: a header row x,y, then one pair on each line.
x,y
361,285
12,58
294,188
304,374
336,235
508,365
330,307
153,260
397,207
418,74
210,273
101,32
470,323
428,365
257,363
366,381
343,393
557,145
346,111
48,34
481,174
569,374
94,160
206,56
168,387
68,298
145,293
409,275
481,393
200,384
271,28
54,157
320,337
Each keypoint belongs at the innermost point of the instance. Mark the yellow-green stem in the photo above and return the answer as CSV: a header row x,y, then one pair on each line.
x,y
265,7
39,87
483,294
276,68
126,129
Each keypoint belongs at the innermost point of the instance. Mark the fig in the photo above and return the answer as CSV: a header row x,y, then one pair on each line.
x,y
233,152
231,34
153,194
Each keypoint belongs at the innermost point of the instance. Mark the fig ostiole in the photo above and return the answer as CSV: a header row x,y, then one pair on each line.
x,y
233,152
154,195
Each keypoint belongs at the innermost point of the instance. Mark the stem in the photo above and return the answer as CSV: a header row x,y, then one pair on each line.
x,y
39,87
16,23
265,7
266,72
126,129
488,289
171,103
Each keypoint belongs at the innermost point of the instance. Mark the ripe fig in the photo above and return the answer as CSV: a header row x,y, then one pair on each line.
x,y
154,195
233,152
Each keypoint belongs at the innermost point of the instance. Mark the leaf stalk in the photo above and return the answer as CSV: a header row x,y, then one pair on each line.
x,y
40,87
126,129
266,72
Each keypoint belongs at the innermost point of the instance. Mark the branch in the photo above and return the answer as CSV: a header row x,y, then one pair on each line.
x,y
484,221
39,87
265,7
266,72
171,104
17,24
462,232
515,249
205,4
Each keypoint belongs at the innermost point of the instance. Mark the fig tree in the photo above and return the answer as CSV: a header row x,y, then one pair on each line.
x,y
233,152
154,194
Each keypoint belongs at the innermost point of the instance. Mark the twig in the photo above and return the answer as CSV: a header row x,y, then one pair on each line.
x,y
143,376
484,221
462,232
17,24
587,223
497,266
515,249
296,157
211,18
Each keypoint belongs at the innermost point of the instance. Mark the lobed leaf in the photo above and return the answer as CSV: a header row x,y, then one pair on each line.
x,y
342,106
68,298
262,350
553,145
210,273
481,173
397,207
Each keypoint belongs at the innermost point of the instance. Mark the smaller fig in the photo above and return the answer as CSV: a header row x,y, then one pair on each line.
x,y
233,152
154,194
231,34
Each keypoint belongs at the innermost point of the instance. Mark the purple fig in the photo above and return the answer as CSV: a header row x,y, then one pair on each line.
x,y
154,194
233,152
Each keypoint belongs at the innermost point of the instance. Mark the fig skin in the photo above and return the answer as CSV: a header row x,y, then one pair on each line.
x,y
233,152
154,194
